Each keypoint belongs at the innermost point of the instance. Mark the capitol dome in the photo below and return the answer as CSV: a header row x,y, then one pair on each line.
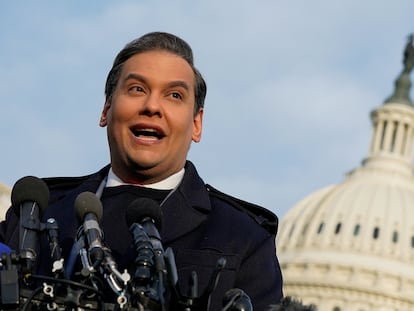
x,y
350,247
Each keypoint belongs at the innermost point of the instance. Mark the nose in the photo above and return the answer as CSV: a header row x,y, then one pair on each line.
x,y
152,105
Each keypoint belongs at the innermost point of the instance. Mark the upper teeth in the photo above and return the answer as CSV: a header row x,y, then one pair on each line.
x,y
146,132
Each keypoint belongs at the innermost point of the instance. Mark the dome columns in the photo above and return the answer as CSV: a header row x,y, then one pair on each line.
x,y
392,144
350,246
393,132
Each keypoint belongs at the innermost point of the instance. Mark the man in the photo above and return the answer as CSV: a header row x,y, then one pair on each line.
x,y
153,111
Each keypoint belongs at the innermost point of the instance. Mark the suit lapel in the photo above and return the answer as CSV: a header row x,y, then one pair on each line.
x,y
62,202
183,211
186,208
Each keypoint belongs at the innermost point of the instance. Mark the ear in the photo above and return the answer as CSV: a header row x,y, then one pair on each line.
x,y
103,121
198,126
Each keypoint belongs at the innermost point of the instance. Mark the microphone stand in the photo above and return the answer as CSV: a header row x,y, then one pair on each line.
x,y
195,302
52,230
154,286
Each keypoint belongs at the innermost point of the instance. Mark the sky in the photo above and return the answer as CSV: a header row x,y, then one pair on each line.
x,y
291,85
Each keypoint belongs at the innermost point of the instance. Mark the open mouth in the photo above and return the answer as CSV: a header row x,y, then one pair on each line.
x,y
147,133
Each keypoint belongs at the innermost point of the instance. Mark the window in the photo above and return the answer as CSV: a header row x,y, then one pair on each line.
x,y
375,234
320,228
356,229
338,228
395,236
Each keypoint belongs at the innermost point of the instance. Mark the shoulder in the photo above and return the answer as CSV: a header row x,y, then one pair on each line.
x,y
64,183
60,185
260,215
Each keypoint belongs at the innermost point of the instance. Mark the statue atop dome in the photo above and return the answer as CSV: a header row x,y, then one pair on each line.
x,y
353,240
401,93
409,55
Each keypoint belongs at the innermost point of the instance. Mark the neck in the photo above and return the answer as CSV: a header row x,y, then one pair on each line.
x,y
166,184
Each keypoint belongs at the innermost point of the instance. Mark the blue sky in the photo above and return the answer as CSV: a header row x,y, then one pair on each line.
x,y
291,85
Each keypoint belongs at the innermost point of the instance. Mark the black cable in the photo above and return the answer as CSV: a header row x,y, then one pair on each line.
x,y
29,300
72,283
67,282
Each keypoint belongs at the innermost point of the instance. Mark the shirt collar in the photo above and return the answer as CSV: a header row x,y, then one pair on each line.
x,y
166,184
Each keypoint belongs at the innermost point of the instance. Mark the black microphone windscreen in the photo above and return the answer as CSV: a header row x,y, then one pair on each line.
x,y
31,189
88,202
142,208
237,300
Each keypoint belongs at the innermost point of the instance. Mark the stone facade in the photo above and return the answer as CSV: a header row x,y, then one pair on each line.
x,y
4,200
350,247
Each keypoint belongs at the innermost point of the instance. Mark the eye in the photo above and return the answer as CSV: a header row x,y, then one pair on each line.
x,y
134,89
176,95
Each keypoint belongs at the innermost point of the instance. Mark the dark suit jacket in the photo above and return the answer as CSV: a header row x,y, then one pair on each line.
x,y
200,224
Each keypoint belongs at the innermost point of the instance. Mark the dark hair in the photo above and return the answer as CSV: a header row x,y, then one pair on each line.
x,y
151,42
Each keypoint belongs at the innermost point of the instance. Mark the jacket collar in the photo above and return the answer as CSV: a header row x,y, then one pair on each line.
x,y
185,209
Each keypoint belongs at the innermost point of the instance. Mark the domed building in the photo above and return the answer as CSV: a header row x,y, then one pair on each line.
x,y
350,247
4,200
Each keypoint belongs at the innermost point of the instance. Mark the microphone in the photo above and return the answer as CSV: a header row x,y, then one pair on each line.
x,y
89,210
148,214
290,303
29,197
144,259
144,218
236,299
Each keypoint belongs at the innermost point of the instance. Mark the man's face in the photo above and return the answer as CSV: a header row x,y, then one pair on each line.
x,y
150,117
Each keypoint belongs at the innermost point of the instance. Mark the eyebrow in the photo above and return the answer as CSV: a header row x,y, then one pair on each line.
x,y
134,76
138,77
179,83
